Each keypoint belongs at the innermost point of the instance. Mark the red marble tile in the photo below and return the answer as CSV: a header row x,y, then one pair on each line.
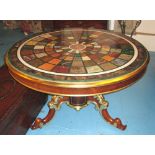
x,y
26,52
61,69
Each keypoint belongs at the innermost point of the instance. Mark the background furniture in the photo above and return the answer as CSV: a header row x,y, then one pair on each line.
x,y
34,26
127,27
98,24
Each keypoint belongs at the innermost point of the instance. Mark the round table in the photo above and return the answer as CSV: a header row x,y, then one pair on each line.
x,y
77,66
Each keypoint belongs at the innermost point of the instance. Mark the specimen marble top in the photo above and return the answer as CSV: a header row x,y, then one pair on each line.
x,y
77,55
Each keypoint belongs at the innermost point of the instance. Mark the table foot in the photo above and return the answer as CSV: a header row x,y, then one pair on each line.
x,y
53,105
39,122
102,105
116,122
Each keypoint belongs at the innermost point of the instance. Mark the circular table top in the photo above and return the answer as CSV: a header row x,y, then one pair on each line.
x,y
76,58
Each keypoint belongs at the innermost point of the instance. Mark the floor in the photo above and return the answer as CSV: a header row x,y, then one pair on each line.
x,y
135,105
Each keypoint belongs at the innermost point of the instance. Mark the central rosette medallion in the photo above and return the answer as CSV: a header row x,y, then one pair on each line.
x,y
77,47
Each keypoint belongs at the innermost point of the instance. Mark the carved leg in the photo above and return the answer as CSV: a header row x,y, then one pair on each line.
x,y
102,105
53,105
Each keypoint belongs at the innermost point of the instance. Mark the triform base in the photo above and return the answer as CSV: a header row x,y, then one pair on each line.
x,y
78,103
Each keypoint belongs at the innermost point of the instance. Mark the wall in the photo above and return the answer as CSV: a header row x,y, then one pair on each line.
x,y
145,33
147,41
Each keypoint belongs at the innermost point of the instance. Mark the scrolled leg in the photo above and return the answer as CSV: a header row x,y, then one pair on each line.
x,y
39,122
102,105
116,122
53,105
